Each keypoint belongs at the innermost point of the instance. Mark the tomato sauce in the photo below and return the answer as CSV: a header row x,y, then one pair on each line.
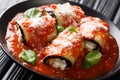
x,y
109,58
107,62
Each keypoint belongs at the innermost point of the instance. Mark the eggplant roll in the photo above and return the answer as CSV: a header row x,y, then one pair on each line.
x,y
67,14
95,29
38,31
64,50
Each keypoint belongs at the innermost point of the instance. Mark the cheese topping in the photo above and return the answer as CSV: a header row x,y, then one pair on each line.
x,y
65,9
88,28
36,22
40,22
66,38
62,42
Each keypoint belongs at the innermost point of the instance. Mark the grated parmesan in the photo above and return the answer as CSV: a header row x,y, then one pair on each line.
x,y
62,42
65,9
87,28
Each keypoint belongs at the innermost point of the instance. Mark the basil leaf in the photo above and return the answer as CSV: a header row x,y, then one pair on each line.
x,y
60,28
72,28
28,56
86,64
32,13
91,59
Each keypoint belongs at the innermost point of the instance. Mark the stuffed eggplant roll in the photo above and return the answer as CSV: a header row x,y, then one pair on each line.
x,y
37,28
95,33
67,14
64,50
94,29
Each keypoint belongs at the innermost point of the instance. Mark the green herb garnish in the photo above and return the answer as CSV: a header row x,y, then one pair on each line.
x,y
72,28
32,13
91,59
60,28
28,56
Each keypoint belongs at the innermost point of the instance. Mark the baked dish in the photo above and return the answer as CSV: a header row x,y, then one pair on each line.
x,y
61,41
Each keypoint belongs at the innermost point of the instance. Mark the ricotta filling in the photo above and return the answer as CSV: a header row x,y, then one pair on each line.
x,y
57,63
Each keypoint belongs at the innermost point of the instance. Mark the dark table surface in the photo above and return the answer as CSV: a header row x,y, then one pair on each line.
x,y
11,71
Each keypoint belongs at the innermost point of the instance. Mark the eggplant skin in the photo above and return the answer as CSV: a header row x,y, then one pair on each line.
x,y
24,33
50,12
69,64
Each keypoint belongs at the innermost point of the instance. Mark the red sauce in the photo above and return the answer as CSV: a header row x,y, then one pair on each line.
x,y
107,62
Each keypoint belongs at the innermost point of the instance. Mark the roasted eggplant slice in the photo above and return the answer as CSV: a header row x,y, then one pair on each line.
x,y
64,50
51,13
67,14
38,31
47,11
52,35
95,29
96,32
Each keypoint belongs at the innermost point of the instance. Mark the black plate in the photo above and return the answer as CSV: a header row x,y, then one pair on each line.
x,y
21,7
